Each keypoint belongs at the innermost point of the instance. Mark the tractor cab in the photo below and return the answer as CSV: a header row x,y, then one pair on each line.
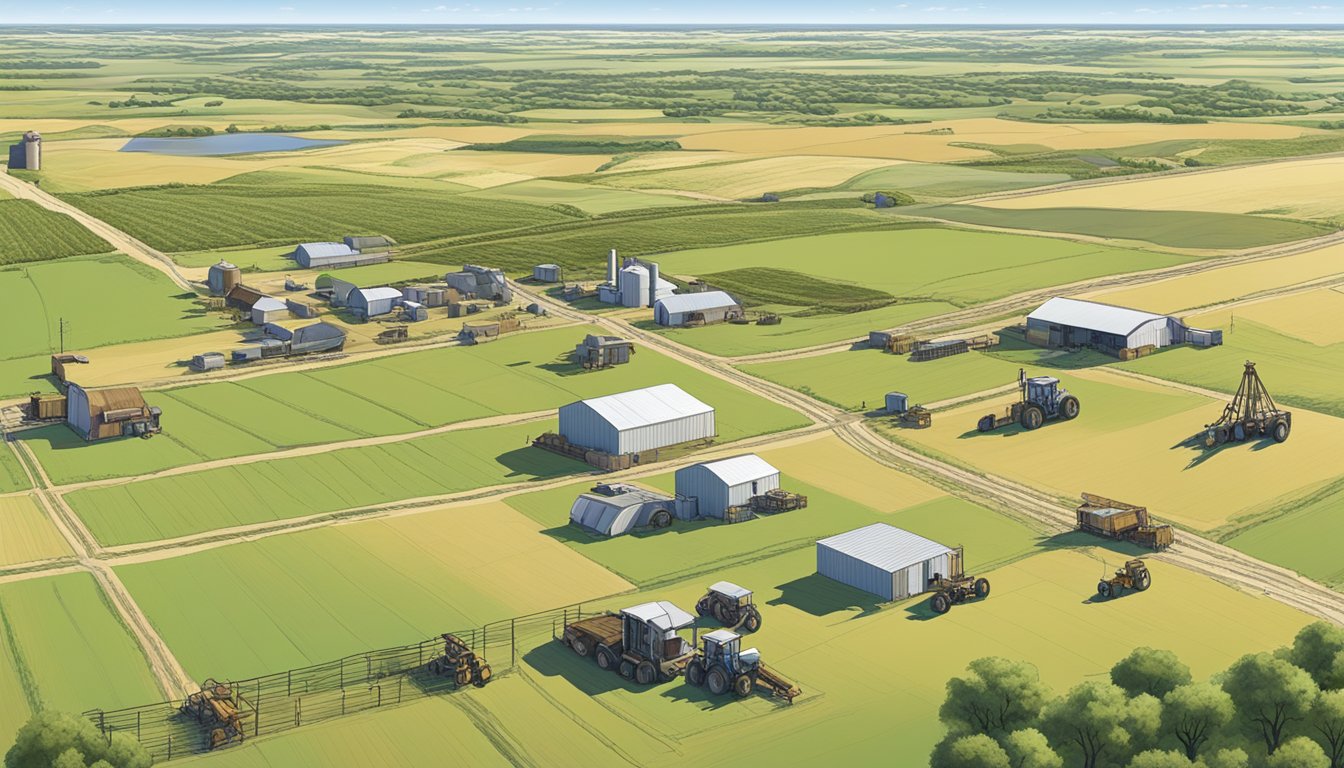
x,y
724,647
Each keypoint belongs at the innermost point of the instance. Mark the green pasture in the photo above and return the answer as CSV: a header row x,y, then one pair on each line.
x,y
12,476
933,180
1301,534
29,232
255,212
65,648
400,394
1174,229
273,259
350,478
590,199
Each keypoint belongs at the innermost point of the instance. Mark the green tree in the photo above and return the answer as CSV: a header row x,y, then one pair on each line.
x,y
1150,671
1157,758
975,751
1194,713
52,736
1327,719
1028,748
1099,722
1316,649
1299,752
233,128
997,696
1234,757
1270,694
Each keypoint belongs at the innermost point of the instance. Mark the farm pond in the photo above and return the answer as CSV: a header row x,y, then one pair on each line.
x,y
225,144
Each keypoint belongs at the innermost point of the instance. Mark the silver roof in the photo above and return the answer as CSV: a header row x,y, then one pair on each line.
x,y
661,614
740,469
1092,315
885,546
694,302
373,294
327,249
644,407
730,589
721,636
268,304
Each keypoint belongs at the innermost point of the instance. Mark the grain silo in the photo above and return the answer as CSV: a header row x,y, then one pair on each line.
x,y
222,277
27,154
634,286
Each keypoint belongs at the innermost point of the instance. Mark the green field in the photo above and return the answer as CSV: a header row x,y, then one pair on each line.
x,y
590,199
929,180
1300,535
255,211
1174,229
29,232
524,373
12,476
64,648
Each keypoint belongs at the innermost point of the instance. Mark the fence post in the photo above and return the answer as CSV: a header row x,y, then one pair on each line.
x,y
137,725
256,714
289,683
170,747
400,680
298,712
368,667
513,642
379,688
342,701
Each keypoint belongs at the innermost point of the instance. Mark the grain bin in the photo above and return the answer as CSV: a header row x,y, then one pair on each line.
x,y
222,277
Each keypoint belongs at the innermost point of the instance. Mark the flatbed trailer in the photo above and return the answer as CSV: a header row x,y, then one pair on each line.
x,y
1113,519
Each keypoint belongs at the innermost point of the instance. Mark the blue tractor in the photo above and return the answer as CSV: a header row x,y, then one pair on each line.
x,y
1042,399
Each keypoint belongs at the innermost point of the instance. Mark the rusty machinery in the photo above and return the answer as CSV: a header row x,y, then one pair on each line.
x,y
1250,414
731,606
956,587
1134,575
461,663
219,709
1113,519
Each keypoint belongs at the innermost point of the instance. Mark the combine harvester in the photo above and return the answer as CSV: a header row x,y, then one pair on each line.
x,y
1042,399
1117,520
1251,414
722,666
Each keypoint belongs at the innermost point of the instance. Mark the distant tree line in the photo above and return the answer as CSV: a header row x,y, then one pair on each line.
x,y
48,64
479,115
1283,709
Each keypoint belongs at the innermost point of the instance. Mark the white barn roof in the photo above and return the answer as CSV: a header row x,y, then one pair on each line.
x,y
326,249
662,614
695,302
1092,315
268,304
644,407
740,469
373,294
885,546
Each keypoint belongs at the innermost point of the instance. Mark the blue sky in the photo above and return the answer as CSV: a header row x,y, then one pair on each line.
x,y
1306,12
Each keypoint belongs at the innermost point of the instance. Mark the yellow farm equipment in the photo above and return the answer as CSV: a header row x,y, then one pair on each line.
x,y
461,663
1134,575
220,710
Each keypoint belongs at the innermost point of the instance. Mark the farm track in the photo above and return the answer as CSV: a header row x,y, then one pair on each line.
x,y
120,241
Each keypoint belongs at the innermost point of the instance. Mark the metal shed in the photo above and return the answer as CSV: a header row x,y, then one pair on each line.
x,y
367,243
98,414
321,255
717,485
318,337
207,361
620,510
684,308
897,402
638,420
887,561
242,297
546,273
268,310
1062,322
371,302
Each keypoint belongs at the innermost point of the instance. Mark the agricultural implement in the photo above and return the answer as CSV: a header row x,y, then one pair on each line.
x,y
1117,520
731,606
777,500
1042,399
1134,575
957,587
461,663
1251,414
641,643
219,710
917,417
722,666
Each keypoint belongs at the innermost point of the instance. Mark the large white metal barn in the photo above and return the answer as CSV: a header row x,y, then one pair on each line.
x,y
638,420
717,485
887,561
1062,322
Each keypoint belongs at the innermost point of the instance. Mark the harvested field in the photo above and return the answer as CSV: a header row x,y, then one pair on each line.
x,y
29,232
28,533
1299,316
1144,428
75,658
316,595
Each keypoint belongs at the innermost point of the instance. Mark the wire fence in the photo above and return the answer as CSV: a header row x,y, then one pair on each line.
x,y
284,701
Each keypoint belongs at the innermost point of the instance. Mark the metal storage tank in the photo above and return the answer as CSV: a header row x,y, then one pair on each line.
x,y
897,402
32,151
638,420
718,485
884,560
634,285
222,277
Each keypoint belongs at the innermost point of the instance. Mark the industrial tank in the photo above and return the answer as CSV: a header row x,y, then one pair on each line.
x,y
223,277
634,286
32,150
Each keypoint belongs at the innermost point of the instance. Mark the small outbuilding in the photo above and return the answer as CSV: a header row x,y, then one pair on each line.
x,y
546,273
602,351
717,485
897,402
101,414
367,243
638,420
241,298
372,302
268,310
612,510
696,309
207,361
884,560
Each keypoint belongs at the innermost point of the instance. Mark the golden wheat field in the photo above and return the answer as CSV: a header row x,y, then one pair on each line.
x,y
26,533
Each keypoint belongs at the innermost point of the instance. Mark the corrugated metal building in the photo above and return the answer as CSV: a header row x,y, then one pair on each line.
x,y
268,310
323,255
717,485
887,561
1062,322
622,510
685,308
546,273
638,420
481,282
366,243
371,302
318,337
99,414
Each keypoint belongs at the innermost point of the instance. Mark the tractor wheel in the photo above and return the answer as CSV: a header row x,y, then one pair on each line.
x,y
940,603
1068,408
1281,430
1220,435
720,615
580,646
646,673
1143,580
627,669
1104,589
462,677
1032,417
718,680
752,621
695,674
703,607
435,667
606,658
982,588
483,676
986,423
661,519
743,686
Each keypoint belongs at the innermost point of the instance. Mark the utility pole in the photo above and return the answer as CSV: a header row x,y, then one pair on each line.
x,y
63,325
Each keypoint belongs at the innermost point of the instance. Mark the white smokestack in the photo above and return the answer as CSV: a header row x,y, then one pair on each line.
x,y
653,283
611,267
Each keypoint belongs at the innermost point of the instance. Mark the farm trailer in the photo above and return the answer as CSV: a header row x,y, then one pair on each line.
x,y
1126,522
641,643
